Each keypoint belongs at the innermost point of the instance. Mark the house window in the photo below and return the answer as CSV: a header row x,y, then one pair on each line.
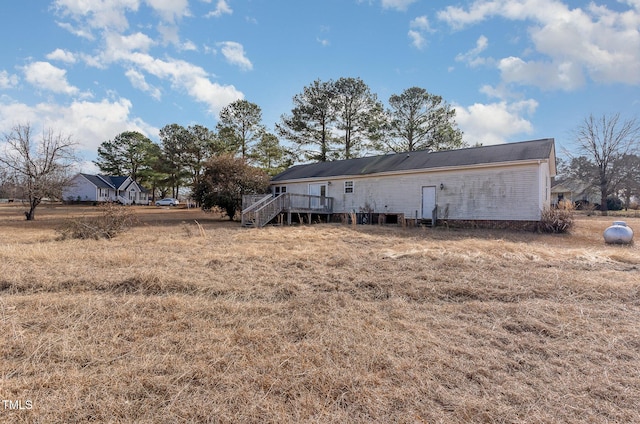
x,y
278,190
348,187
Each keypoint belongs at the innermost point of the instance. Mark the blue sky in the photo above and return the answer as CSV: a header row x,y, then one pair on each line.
x,y
513,69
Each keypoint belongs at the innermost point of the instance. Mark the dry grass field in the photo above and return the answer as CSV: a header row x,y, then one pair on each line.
x,y
187,318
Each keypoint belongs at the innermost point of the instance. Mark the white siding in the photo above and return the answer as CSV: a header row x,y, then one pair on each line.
x,y
545,186
81,188
514,192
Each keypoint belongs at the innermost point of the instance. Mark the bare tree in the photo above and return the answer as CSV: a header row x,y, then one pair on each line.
x,y
604,141
41,168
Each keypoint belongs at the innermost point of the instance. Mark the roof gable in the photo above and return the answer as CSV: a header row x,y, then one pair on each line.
x,y
97,181
116,181
112,182
495,154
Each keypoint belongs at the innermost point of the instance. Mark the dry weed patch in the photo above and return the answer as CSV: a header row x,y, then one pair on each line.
x,y
178,321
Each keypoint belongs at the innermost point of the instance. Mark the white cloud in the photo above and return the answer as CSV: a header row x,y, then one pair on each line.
x,y
495,123
7,80
222,8
45,76
421,22
88,123
472,57
234,54
120,47
418,27
111,15
546,75
397,4
97,13
595,41
170,10
188,46
131,52
77,31
138,80
170,34
417,39
62,56
185,76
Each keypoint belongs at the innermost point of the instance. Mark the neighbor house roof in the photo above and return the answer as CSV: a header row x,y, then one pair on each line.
x,y
116,181
107,181
424,159
97,181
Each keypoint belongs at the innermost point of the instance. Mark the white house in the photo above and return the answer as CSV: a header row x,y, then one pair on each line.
x,y
576,192
103,188
506,182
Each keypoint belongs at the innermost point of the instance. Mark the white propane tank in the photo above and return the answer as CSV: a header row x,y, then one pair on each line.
x,y
618,233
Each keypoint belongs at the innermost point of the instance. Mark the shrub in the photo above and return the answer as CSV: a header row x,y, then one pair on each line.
x,y
226,178
113,219
614,203
557,220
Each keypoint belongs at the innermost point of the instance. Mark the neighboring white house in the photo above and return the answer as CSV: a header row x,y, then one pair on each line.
x,y
576,192
103,188
506,182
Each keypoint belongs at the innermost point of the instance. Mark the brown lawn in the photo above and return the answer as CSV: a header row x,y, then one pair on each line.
x,y
188,318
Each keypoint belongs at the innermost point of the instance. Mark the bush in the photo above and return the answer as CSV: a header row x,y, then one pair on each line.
x,y
226,178
557,220
112,220
614,203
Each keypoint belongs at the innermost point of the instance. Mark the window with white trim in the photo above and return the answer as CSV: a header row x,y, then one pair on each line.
x,y
348,187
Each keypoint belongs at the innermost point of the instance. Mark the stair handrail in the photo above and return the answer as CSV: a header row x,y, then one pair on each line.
x,y
257,203
271,209
248,213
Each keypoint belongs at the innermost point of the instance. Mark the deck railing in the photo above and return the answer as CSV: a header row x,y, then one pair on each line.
x,y
250,204
261,212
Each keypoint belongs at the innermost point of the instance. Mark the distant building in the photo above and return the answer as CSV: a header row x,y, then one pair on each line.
x,y
103,188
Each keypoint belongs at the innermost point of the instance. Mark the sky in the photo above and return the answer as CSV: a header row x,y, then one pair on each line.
x,y
514,70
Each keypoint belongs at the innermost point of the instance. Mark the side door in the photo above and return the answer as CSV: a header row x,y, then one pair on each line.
x,y
317,189
428,201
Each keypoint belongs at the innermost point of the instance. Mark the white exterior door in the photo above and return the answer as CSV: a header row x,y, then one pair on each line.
x,y
319,189
428,201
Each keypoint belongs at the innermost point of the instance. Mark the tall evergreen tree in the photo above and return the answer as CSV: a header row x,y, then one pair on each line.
x,y
309,125
420,120
127,154
200,146
269,155
175,140
240,125
359,116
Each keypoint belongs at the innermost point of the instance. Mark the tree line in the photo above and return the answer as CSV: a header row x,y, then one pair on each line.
x,y
330,120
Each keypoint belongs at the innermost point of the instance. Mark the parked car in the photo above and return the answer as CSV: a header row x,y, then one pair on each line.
x,y
167,201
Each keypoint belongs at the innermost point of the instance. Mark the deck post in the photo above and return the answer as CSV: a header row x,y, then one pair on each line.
x,y
289,218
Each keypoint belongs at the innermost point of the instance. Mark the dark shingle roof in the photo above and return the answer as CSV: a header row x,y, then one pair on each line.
x,y
116,181
109,181
97,181
510,152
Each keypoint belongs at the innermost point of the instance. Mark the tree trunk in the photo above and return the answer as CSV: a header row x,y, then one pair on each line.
x,y
604,210
31,214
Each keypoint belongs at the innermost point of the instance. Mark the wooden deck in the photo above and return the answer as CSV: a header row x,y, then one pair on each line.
x,y
258,211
